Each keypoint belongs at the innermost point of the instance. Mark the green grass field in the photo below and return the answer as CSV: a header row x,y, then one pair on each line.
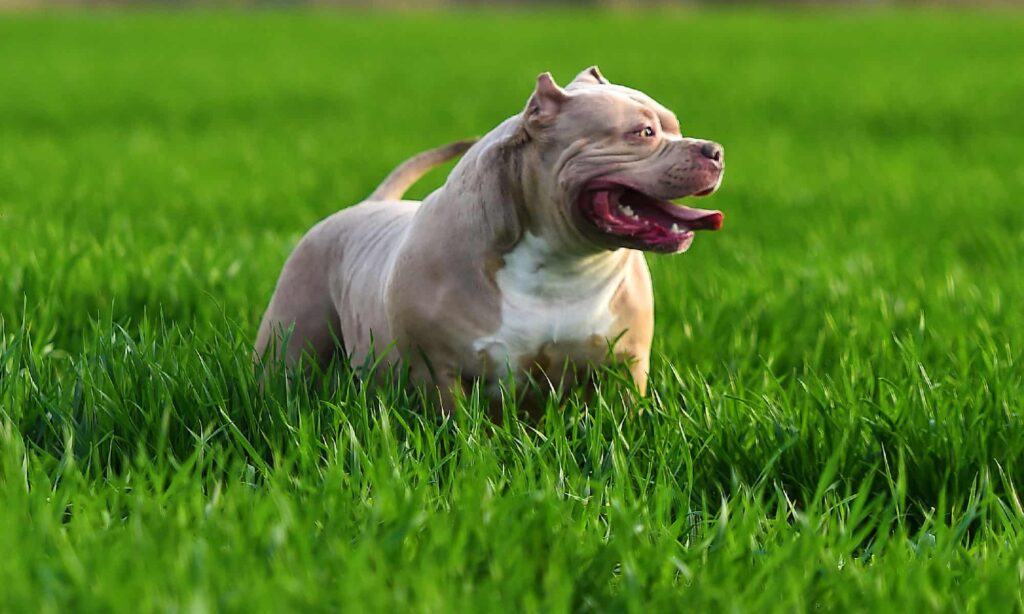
x,y
836,414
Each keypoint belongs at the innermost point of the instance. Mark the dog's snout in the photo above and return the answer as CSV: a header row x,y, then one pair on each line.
x,y
712,151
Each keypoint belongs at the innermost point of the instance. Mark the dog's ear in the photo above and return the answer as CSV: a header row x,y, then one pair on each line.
x,y
545,103
590,76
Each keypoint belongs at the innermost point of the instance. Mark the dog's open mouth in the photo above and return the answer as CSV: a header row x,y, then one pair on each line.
x,y
641,221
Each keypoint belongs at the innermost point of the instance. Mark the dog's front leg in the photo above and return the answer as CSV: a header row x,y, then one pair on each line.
x,y
439,382
638,369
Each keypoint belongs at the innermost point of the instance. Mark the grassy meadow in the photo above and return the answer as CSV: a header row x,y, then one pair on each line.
x,y
835,419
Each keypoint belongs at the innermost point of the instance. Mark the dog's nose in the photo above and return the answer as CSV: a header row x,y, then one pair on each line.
x,y
712,150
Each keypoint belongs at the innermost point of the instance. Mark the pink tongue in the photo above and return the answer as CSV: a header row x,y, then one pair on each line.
x,y
693,218
690,217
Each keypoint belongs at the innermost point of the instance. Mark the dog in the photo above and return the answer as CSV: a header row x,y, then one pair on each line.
x,y
526,265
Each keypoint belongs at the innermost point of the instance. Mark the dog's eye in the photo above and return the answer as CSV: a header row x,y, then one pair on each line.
x,y
645,132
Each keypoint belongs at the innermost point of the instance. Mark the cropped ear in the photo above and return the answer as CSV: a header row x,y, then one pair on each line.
x,y
590,76
546,101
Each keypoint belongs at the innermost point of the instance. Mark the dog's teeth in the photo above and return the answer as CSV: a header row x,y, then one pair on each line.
x,y
676,228
628,211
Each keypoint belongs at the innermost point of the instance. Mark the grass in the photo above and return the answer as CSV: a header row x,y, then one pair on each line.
x,y
835,420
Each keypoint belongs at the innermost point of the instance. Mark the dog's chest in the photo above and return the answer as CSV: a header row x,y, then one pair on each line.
x,y
554,312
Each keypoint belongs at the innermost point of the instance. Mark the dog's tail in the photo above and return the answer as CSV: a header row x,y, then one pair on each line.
x,y
410,171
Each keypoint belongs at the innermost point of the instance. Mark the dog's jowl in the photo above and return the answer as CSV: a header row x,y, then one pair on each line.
x,y
527,264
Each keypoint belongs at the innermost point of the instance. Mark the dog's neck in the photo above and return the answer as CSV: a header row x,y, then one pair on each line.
x,y
491,193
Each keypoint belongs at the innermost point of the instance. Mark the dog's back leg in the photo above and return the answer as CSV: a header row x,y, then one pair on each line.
x,y
301,317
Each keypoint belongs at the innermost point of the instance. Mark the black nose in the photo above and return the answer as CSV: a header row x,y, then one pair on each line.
x,y
713,151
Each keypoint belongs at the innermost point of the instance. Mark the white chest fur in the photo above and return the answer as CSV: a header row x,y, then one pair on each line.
x,y
548,299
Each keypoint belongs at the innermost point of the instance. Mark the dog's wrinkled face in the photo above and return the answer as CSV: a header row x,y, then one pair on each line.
x,y
614,160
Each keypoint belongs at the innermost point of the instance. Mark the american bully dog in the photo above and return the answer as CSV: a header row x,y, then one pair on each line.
x,y
527,264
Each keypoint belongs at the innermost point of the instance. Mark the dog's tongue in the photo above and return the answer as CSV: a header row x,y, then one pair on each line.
x,y
690,217
693,218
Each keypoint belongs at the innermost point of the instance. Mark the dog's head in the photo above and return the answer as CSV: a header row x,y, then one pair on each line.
x,y
606,163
